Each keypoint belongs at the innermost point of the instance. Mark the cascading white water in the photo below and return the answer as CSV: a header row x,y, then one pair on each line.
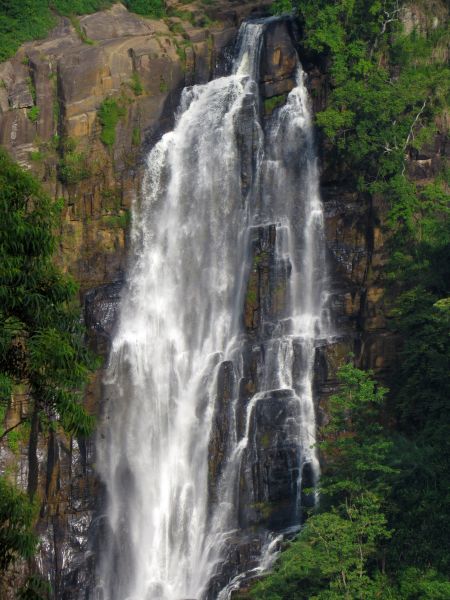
x,y
208,183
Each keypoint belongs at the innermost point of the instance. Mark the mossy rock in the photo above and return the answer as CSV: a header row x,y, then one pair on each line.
x,y
270,104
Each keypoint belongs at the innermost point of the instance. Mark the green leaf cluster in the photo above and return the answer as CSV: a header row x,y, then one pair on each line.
x,y
387,87
17,515
338,552
41,336
109,114
35,588
349,548
73,167
147,8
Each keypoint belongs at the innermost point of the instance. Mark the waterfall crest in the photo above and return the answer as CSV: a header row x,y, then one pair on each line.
x,y
225,193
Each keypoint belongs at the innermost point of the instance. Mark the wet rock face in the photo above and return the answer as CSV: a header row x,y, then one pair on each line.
x,y
270,473
101,306
266,297
279,58
244,550
221,427
65,524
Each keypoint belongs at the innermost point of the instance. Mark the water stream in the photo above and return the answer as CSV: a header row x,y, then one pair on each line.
x,y
221,175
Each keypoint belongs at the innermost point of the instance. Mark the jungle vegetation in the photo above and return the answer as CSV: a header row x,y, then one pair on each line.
x,y
43,354
381,528
25,20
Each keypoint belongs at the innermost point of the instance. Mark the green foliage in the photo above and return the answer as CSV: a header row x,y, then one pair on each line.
x,y
33,113
35,588
136,84
354,443
387,90
270,104
136,136
6,387
330,558
73,168
20,21
24,20
346,549
148,8
36,156
417,584
109,114
41,337
421,388
31,87
79,7
118,221
336,555
17,515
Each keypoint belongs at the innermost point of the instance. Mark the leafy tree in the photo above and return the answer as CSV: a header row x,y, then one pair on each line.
x,y
387,89
355,450
338,553
41,336
331,557
421,390
148,8
17,515
41,340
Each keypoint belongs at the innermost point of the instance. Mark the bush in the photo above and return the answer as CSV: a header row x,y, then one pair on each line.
x,y
148,8
33,113
109,114
73,168
136,84
17,514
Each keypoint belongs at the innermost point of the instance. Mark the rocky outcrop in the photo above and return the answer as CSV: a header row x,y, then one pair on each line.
x,y
51,93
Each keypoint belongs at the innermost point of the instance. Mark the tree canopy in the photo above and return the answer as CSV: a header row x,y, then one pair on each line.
x,y
381,529
42,346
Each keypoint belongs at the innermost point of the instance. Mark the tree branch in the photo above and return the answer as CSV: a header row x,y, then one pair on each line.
x,y
411,131
5,433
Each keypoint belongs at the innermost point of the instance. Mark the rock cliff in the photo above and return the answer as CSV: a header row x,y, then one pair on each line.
x,y
80,109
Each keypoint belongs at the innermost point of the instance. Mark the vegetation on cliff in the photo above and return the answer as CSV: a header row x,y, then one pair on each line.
x,y
42,347
381,528
25,20
350,547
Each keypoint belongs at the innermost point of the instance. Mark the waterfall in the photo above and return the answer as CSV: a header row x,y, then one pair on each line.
x,y
222,183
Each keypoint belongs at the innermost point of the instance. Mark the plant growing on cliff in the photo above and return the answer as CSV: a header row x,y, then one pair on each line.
x,y
73,168
387,90
33,113
147,8
41,337
345,549
337,553
17,515
136,84
109,114
41,345
24,20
